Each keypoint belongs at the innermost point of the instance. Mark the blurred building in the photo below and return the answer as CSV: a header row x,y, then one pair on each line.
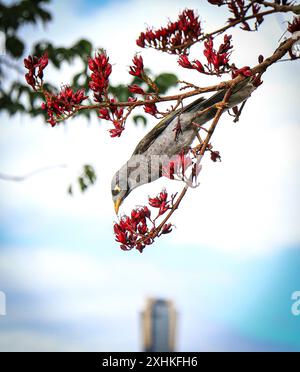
x,y
159,326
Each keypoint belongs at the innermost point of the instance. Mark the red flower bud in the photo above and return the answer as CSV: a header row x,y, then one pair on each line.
x,y
138,67
116,132
36,68
104,114
150,108
167,228
154,202
198,66
184,62
136,89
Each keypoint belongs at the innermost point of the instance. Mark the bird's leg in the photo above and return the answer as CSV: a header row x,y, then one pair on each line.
x,y
238,114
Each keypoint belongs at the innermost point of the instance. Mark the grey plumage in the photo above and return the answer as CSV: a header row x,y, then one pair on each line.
x,y
160,141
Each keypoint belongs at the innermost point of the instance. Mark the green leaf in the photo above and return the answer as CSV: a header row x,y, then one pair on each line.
x,y
89,173
82,48
83,186
165,81
14,46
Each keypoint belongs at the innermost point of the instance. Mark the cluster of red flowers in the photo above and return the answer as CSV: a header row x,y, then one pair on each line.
x,y
60,105
137,70
240,9
36,68
138,67
184,62
115,116
101,70
175,36
137,230
217,60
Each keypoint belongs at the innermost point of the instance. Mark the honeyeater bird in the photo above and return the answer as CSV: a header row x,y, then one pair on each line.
x,y
173,135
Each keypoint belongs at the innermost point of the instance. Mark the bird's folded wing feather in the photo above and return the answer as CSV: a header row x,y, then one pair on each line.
x,y
195,106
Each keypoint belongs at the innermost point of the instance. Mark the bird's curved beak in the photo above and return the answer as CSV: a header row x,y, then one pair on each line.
x,y
117,204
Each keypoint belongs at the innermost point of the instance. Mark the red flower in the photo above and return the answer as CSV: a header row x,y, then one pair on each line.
x,y
167,228
163,196
101,70
245,71
136,89
36,68
115,116
138,67
215,156
164,207
116,132
174,37
131,99
184,62
104,114
160,201
150,108
64,103
218,59
154,202
198,66
136,231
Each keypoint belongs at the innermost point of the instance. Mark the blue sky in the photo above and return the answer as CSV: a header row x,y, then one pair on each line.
x,y
69,286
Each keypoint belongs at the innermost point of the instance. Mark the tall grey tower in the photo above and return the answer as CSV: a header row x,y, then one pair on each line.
x,y
159,326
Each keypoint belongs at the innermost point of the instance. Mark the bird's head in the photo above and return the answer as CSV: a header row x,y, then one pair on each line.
x,y
130,176
119,189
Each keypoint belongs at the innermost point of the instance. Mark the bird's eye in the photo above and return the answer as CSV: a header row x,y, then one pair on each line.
x,y
116,191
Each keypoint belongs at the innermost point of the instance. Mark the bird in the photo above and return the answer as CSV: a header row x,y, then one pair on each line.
x,y
173,135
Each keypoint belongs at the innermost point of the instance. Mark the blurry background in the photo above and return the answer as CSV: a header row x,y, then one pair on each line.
x,y
233,261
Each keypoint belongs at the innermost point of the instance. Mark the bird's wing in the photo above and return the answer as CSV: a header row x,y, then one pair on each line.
x,y
195,106
146,142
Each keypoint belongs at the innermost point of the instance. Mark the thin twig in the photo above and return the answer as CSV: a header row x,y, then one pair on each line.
x,y
7,177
